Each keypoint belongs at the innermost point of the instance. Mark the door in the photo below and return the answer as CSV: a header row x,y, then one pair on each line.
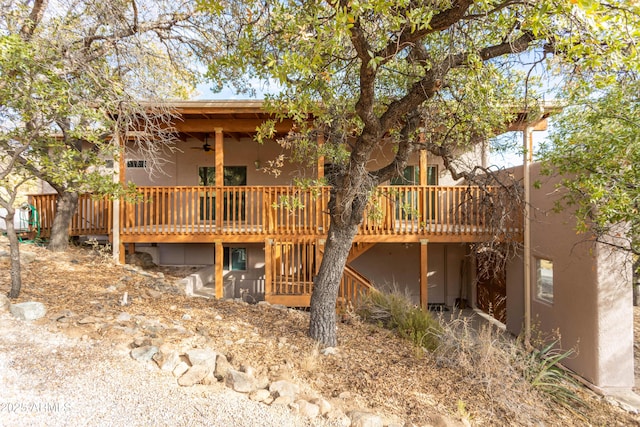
x,y
234,202
492,294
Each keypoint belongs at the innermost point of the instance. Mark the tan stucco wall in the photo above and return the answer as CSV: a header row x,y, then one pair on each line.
x,y
397,266
182,166
592,304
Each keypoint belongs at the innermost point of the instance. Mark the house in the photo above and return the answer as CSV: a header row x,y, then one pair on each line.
x,y
258,237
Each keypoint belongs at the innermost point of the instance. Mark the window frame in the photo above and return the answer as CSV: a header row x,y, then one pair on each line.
x,y
227,258
543,292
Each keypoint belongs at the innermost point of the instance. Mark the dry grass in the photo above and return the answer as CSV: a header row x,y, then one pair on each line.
x,y
465,379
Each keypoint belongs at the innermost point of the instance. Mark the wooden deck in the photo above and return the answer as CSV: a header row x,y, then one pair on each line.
x,y
252,214
292,224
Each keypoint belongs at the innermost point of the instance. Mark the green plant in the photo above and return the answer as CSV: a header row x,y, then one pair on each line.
x,y
394,311
545,373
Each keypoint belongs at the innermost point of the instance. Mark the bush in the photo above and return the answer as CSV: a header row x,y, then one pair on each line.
x,y
512,377
396,312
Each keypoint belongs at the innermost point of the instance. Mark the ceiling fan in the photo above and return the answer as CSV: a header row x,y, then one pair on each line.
x,y
206,147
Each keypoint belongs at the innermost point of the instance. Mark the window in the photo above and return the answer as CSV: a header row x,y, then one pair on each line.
x,y
544,280
136,163
407,202
233,176
411,176
235,259
234,202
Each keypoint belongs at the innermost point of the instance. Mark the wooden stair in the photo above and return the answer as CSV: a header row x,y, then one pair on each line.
x,y
293,287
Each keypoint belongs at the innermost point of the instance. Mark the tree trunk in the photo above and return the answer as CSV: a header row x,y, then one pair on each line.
x,y
14,248
66,207
322,323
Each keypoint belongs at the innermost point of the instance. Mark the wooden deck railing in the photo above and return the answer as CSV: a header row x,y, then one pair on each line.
x,y
93,217
292,268
276,211
353,286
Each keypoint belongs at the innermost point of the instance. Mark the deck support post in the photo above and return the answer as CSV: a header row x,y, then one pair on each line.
x,y
268,269
319,252
424,270
320,164
219,278
120,253
320,176
424,163
219,178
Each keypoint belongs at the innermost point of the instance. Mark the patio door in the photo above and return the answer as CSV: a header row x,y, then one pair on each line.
x,y
233,176
406,202
492,294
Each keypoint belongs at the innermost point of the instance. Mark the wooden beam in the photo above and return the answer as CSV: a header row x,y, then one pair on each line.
x,y
540,125
423,168
290,300
424,270
219,178
219,267
320,165
268,268
229,125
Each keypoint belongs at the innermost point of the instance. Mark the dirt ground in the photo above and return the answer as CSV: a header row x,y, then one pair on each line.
x,y
372,369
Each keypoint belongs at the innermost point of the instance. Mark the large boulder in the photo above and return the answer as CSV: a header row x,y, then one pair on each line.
x,y
30,310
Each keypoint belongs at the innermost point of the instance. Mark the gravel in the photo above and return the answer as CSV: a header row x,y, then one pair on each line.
x,y
54,380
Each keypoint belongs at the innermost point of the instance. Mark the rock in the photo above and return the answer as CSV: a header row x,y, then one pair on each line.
x,y
222,367
154,294
249,370
338,418
261,395
88,319
186,317
198,356
123,317
141,259
239,381
28,310
262,382
283,400
323,405
180,369
5,304
168,361
329,351
62,316
284,388
27,257
307,409
142,341
442,421
365,419
345,395
194,375
144,353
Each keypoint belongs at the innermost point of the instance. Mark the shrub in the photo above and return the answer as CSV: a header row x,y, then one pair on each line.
x,y
512,377
394,311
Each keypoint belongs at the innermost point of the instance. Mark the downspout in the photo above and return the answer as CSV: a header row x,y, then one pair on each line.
x,y
118,176
527,158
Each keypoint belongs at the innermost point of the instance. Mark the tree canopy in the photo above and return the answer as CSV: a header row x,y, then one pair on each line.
x,y
433,75
77,77
595,145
